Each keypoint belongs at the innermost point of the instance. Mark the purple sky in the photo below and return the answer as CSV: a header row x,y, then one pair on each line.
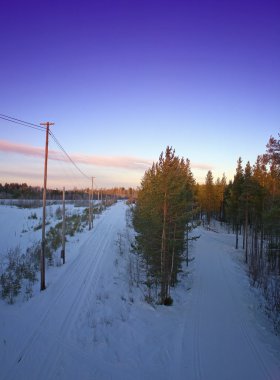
x,y
124,79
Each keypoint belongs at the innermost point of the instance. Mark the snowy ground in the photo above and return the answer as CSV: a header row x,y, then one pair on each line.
x,y
18,224
90,324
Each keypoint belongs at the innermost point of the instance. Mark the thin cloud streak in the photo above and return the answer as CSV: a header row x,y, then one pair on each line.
x,y
109,161
26,150
125,162
119,162
201,166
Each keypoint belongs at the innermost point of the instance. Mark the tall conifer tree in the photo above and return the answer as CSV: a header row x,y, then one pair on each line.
x,y
161,217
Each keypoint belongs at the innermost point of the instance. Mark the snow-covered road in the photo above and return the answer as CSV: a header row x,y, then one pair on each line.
x,y
222,336
47,331
87,325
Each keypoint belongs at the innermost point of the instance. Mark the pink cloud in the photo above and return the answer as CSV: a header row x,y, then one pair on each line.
x,y
201,166
26,150
125,162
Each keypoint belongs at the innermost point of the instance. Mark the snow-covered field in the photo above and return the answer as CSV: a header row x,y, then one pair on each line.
x,y
91,323
19,225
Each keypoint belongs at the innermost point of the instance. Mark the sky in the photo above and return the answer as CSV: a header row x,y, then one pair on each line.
x,y
122,79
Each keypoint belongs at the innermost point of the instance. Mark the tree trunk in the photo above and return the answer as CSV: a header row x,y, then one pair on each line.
x,y
163,252
236,236
246,236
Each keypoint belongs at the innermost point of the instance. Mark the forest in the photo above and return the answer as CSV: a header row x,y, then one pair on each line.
x,y
170,204
249,206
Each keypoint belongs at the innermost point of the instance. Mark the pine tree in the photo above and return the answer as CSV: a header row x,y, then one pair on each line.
x,y
272,209
161,217
220,187
209,196
234,210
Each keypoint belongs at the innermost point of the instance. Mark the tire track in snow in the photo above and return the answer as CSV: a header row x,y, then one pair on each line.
x,y
79,268
56,351
178,368
245,330
76,265
196,336
90,279
225,343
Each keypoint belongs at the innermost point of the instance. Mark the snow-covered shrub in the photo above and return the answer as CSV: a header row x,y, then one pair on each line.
x,y
33,215
17,269
54,237
38,227
10,285
33,255
58,213
272,296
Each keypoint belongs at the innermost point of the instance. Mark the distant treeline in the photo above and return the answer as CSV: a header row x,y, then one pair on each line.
x,y
23,191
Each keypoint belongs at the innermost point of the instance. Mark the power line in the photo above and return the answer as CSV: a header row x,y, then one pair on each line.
x,y
69,170
67,155
43,129
21,122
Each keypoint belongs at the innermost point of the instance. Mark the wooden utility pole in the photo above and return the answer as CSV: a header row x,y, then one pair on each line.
x,y
89,211
90,206
92,202
43,284
63,227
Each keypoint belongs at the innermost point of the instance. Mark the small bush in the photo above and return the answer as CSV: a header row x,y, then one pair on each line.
x,y
33,255
54,237
10,284
38,227
33,216
58,213
19,268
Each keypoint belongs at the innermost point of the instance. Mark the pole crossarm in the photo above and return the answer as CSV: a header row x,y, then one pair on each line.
x,y
47,124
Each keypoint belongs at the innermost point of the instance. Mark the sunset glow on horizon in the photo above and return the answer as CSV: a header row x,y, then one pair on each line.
x,y
122,80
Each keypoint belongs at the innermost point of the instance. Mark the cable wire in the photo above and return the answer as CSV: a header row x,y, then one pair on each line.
x,y
67,155
21,122
42,128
